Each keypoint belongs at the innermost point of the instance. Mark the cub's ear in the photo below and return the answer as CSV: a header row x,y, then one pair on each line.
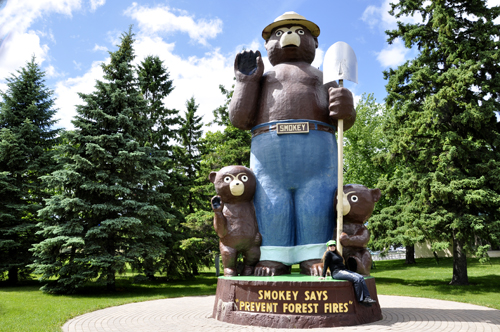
x,y
212,176
376,194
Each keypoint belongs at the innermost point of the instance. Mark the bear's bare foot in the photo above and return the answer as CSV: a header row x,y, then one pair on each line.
x,y
271,268
247,270
312,267
229,272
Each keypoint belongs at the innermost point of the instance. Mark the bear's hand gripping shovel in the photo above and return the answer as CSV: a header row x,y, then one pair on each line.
x,y
340,64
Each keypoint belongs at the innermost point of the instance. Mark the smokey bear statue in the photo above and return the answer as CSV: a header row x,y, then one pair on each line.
x,y
293,118
234,220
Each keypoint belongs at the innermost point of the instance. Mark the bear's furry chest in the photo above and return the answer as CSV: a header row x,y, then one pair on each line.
x,y
352,229
241,220
293,91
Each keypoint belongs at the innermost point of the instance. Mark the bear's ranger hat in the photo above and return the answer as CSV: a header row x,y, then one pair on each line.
x,y
290,18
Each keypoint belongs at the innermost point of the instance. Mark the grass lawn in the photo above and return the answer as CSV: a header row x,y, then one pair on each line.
x,y
427,279
25,308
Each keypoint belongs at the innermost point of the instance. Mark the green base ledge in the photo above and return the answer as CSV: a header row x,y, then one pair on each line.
x,y
286,278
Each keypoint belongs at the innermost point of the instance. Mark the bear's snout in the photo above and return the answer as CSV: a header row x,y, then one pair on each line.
x,y
237,188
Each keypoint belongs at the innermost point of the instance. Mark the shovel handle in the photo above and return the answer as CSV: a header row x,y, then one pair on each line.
x,y
340,183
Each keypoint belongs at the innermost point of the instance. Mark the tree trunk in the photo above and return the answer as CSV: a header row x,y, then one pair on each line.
x,y
111,285
410,254
13,276
194,267
459,263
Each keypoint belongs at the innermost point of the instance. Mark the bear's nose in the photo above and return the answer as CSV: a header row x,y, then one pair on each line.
x,y
289,32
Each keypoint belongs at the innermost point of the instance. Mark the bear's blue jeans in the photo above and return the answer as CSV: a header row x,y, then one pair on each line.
x,y
296,183
359,283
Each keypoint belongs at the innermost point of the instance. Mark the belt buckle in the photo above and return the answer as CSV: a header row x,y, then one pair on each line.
x,y
292,128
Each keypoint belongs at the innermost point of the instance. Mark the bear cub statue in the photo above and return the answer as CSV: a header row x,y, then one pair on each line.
x,y
235,222
358,204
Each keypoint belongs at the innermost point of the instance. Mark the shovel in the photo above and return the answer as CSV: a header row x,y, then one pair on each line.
x,y
340,64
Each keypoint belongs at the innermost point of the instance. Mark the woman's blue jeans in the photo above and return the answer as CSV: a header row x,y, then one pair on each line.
x,y
359,283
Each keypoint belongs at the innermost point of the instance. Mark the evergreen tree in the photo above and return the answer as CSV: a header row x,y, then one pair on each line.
x,y
156,85
444,134
189,152
26,149
109,211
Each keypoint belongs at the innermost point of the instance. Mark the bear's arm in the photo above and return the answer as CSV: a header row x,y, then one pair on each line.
x,y
220,224
359,239
244,104
342,97
248,70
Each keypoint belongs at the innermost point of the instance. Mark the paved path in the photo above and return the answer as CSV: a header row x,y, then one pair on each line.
x,y
190,314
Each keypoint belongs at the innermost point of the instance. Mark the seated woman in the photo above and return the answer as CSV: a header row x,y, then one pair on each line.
x,y
333,260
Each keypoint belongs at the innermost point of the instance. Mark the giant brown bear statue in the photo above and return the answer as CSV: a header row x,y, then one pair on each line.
x,y
293,118
234,220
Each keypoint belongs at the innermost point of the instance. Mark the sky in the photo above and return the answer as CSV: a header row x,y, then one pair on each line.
x,y
197,40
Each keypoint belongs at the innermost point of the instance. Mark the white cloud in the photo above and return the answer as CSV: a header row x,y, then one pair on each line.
x,y
19,15
94,4
66,94
493,3
100,48
379,17
162,19
22,43
51,72
78,65
197,77
18,49
318,58
393,55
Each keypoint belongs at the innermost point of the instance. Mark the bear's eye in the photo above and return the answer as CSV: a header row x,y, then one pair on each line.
x,y
244,178
279,33
227,179
300,32
354,198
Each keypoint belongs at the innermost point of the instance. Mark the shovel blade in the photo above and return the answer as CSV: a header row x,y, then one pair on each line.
x,y
340,63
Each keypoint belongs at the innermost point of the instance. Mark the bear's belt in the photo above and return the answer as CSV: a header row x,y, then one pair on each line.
x,y
312,126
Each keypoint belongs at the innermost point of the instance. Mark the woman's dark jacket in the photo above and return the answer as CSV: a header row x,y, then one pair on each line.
x,y
333,261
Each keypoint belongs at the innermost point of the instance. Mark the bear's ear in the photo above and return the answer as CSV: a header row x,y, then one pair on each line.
x,y
316,41
212,176
376,194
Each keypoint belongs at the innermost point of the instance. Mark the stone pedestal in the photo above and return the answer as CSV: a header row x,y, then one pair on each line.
x,y
292,301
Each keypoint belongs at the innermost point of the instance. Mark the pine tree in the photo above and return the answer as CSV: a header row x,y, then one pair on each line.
x,y
109,211
444,135
156,85
27,139
189,151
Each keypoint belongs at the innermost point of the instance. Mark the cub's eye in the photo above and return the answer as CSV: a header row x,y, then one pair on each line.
x,y
354,198
279,33
300,32
227,179
244,178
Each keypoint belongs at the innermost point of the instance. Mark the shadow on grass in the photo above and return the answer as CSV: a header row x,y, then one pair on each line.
x,y
203,284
